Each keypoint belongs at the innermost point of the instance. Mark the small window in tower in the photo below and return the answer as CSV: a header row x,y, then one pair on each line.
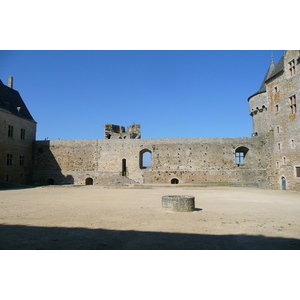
x,y
293,104
278,129
276,108
279,146
298,172
276,89
292,67
292,144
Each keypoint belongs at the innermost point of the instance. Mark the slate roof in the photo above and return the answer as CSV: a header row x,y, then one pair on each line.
x,y
11,101
272,71
278,69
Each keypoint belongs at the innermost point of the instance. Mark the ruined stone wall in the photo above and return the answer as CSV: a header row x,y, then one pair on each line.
x,y
190,161
17,172
112,131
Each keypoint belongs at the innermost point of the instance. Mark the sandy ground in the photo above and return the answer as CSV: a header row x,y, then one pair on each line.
x,y
93,217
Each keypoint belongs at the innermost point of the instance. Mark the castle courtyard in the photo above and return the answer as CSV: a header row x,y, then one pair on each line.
x,y
131,218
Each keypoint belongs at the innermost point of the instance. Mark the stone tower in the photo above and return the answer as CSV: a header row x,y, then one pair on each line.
x,y
275,115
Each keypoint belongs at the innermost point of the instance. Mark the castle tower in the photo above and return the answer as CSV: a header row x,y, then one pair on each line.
x,y
258,105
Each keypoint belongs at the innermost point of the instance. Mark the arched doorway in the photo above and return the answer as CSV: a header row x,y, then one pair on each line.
x,y
50,181
89,181
283,183
174,181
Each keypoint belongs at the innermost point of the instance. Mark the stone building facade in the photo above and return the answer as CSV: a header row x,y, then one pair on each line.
x,y
276,119
269,158
17,135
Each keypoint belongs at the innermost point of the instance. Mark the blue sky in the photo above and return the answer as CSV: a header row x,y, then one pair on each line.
x,y
172,94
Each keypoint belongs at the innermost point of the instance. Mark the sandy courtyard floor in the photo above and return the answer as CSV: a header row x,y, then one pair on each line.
x,y
93,217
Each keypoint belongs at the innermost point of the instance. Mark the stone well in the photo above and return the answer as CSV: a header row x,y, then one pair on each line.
x,y
178,203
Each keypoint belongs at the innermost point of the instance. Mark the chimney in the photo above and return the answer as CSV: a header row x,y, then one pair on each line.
x,y
10,82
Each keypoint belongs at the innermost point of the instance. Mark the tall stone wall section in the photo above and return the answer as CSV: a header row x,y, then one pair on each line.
x,y
190,161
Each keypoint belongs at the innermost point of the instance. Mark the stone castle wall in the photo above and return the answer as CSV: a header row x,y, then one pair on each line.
x,y
190,161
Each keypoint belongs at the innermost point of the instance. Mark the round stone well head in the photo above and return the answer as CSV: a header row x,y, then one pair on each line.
x,y
178,203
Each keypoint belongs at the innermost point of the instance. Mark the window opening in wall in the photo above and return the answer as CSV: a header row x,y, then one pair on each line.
x,y
10,130
292,67
276,89
22,160
278,129
123,167
174,181
240,154
89,181
50,181
145,159
279,146
292,144
22,134
298,172
283,183
276,108
293,105
9,159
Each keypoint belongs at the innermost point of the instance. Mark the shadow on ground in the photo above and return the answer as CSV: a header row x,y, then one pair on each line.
x,y
20,237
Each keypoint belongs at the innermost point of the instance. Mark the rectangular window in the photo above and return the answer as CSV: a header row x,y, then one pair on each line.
x,y
276,108
239,158
293,104
21,160
22,134
10,130
9,159
298,172
292,67
292,144
279,146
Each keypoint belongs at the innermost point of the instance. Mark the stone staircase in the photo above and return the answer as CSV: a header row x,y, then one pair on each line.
x,y
123,181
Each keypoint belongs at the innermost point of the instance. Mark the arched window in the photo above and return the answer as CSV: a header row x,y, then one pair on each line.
x,y
145,158
240,155
89,181
174,181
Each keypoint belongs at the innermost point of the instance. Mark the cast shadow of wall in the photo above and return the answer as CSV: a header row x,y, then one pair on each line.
x,y
46,169
21,237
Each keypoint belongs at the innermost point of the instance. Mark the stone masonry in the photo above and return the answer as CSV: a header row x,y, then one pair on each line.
x,y
269,158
